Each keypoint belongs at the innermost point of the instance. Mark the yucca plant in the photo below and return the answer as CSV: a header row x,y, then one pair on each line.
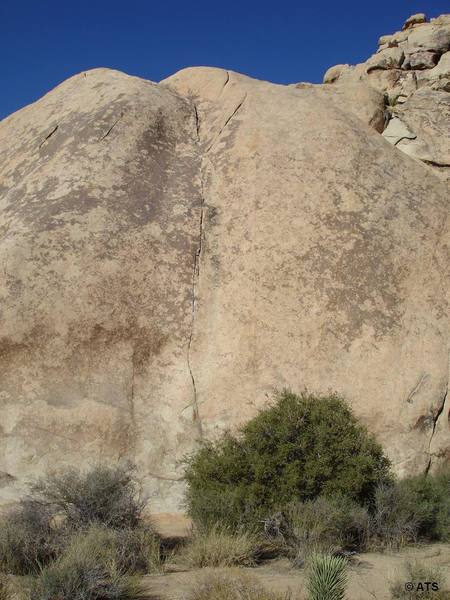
x,y
327,577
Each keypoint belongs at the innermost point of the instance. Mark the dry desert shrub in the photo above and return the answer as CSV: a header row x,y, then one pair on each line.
x,y
5,591
109,495
219,547
81,575
232,585
324,525
131,550
416,575
28,538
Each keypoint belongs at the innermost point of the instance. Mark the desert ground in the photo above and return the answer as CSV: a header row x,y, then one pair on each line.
x,y
370,574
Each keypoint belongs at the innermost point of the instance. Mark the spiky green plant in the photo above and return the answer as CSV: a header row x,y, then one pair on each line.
x,y
327,577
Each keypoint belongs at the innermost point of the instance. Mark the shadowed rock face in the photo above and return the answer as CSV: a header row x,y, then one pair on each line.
x,y
172,253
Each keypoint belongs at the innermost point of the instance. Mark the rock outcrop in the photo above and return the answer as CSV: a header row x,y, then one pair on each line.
x,y
173,252
412,69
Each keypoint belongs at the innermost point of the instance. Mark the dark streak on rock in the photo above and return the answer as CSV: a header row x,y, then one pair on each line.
x,y
54,130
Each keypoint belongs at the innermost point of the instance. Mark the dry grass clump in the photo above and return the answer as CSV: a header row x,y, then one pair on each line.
x,y
131,550
220,547
28,538
95,566
418,575
232,585
5,591
78,580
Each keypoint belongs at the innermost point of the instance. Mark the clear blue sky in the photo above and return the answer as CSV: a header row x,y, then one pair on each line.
x,y
42,42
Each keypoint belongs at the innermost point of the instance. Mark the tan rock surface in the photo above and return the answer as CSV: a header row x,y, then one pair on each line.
x,y
100,204
414,20
172,253
407,62
344,271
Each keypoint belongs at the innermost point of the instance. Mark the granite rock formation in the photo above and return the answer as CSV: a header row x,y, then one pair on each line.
x,y
173,252
412,70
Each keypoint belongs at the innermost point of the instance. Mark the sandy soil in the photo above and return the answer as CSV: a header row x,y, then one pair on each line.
x,y
370,574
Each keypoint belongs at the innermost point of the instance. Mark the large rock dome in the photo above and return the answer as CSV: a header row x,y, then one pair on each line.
x,y
172,253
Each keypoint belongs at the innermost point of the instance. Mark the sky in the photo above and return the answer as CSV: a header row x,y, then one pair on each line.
x,y
43,42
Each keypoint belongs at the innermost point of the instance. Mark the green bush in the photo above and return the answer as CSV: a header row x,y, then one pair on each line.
x,y
231,585
326,577
218,547
429,497
107,495
29,538
302,447
417,574
324,525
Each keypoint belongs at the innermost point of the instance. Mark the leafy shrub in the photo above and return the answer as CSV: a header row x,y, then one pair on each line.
x,y
326,577
219,547
429,497
302,447
326,525
394,520
107,495
28,538
231,585
417,573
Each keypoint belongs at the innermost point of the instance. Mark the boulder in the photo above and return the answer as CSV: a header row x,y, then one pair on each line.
x,y
427,113
420,60
425,47
359,99
438,77
389,58
397,131
430,37
334,73
414,20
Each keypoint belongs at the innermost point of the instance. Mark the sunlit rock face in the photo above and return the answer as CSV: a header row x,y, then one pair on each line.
x,y
172,253
412,69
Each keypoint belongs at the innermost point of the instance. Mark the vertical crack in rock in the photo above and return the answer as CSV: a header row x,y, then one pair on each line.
x,y
197,122
435,421
195,282
131,404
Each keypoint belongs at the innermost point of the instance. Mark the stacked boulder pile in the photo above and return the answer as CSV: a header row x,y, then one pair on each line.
x,y
411,69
